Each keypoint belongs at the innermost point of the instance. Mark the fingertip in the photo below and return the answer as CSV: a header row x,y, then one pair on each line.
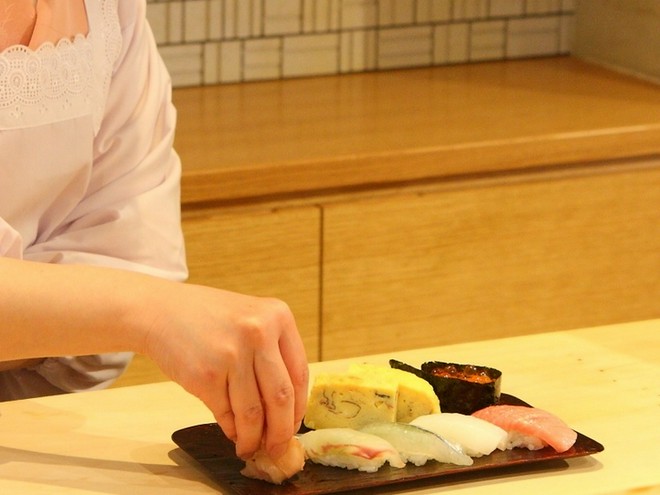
x,y
245,455
246,450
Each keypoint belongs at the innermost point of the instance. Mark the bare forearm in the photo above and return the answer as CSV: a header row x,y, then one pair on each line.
x,y
242,355
52,310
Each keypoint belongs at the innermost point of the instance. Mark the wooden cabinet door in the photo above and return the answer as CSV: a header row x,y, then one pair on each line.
x,y
491,259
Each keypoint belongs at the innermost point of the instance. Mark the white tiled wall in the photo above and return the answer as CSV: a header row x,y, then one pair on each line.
x,y
223,41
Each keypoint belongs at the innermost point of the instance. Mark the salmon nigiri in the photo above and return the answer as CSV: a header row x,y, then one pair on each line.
x,y
529,427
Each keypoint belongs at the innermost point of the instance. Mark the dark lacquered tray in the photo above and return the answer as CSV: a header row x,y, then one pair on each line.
x,y
215,453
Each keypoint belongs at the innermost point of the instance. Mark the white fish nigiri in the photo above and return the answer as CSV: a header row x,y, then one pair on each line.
x,y
417,445
349,449
476,436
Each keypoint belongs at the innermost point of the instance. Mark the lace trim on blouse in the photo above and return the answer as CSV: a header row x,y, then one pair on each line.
x,y
62,81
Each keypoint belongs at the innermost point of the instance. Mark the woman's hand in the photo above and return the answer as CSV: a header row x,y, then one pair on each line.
x,y
241,355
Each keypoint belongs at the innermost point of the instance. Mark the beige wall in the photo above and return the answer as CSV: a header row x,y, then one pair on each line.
x,y
622,34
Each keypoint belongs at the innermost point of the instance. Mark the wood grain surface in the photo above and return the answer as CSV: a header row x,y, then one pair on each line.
x,y
601,381
301,136
472,263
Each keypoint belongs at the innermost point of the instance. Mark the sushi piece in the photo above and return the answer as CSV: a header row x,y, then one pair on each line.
x,y
367,393
475,436
415,395
461,388
350,400
464,388
417,445
349,449
263,467
529,427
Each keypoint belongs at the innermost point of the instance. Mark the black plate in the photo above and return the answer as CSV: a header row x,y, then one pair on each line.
x,y
207,445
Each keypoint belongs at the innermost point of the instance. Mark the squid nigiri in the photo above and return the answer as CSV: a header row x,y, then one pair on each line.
x,y
476,436
417,445
349,449
263,467
529,427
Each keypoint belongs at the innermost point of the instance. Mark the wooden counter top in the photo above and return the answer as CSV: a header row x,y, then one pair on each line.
x,y
305,136
602,381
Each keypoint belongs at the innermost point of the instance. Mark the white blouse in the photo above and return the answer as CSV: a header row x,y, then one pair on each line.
x,y
88,174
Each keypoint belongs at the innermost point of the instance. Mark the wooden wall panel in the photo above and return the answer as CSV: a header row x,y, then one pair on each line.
x,y
491,260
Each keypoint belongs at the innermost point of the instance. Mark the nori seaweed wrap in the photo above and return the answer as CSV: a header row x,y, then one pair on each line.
x,y
461,388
